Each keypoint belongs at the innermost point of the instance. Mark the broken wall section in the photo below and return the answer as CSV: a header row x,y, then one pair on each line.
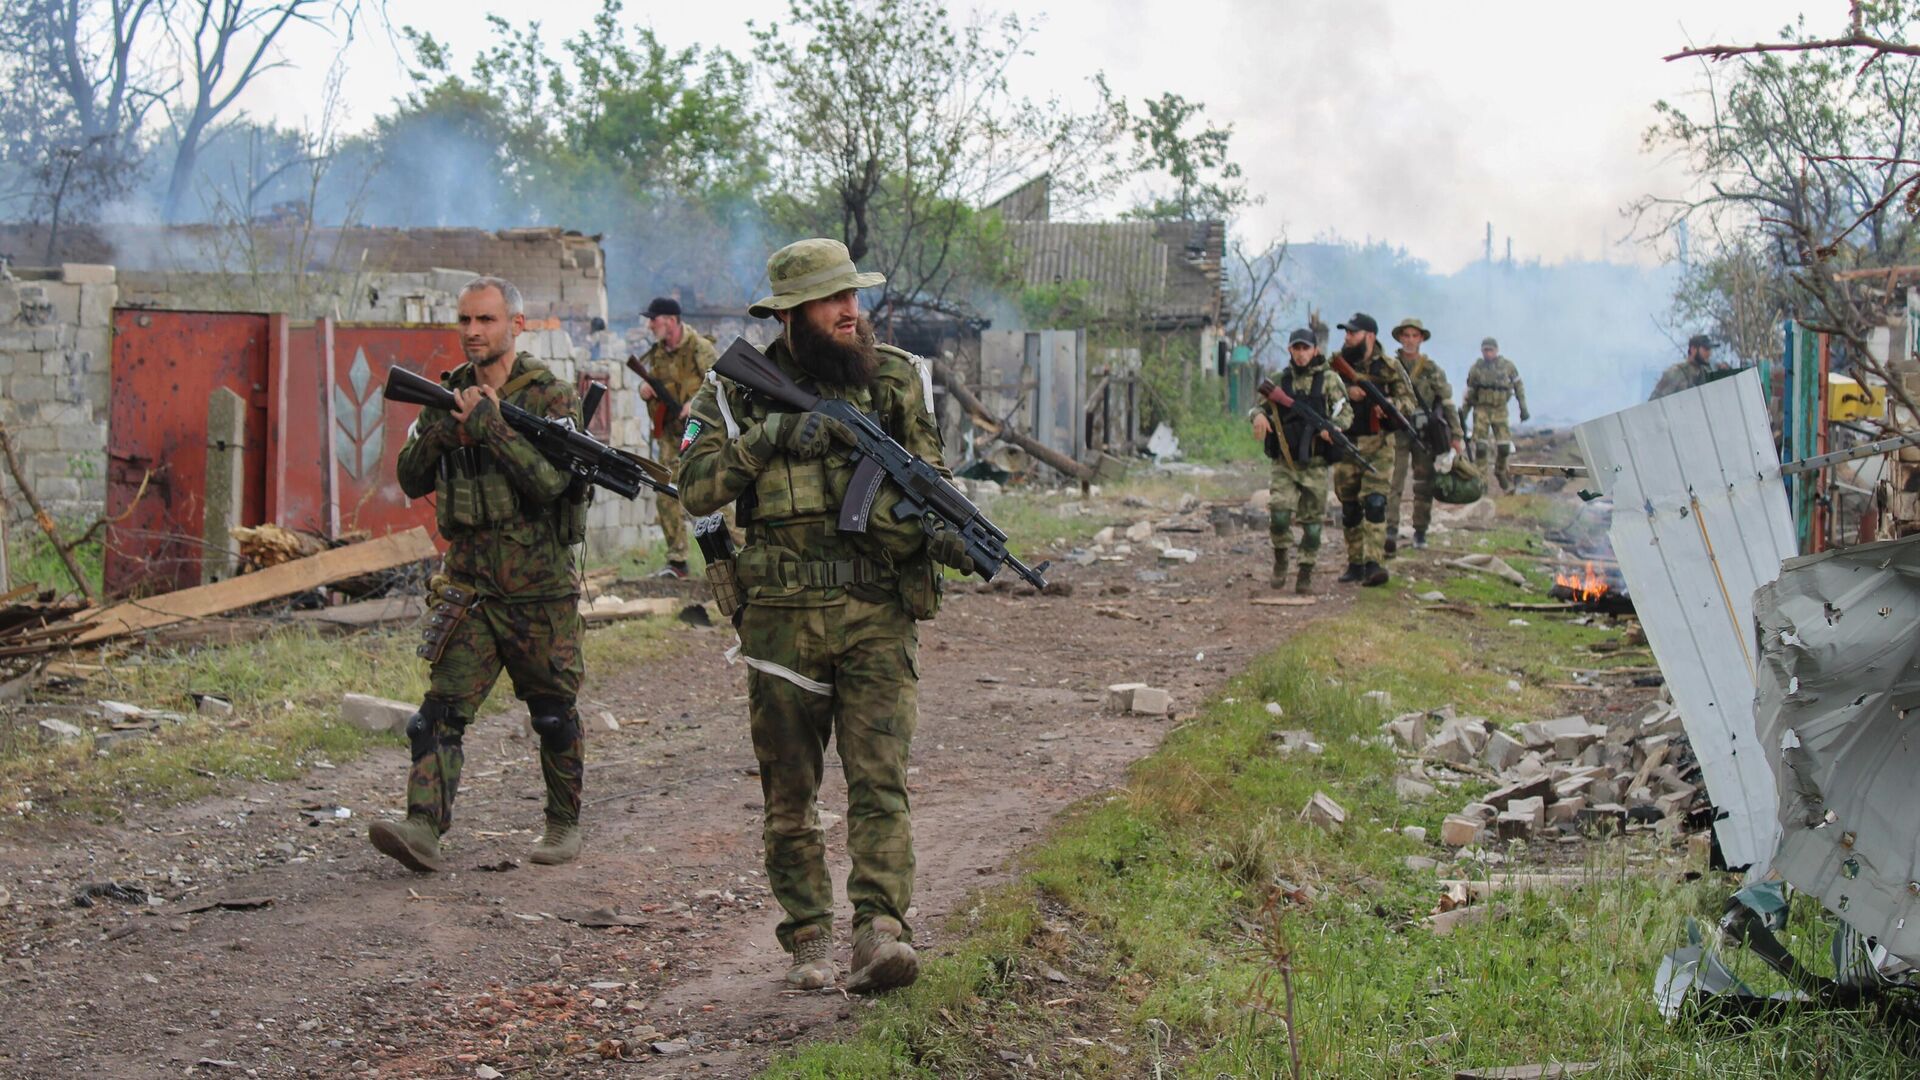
x,y
56,348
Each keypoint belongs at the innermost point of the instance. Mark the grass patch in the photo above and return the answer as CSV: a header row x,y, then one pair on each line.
x,y
1166,883
32,559
285,687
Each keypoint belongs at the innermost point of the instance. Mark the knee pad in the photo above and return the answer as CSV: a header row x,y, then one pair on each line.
x,y
555,722
1280,520
1350,513
432,726
1375,507
1310,537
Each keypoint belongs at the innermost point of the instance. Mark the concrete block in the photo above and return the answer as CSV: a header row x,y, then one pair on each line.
x,y
60,731
1570,746
1152,701
1502,751
87,273
1479,811
1412,789
1538,787
1457,831
95,307
1566,811
1409,730
372,714
1120,695
1514,825
1535,808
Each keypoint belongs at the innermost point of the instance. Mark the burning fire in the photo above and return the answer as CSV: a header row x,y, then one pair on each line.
x,y
1586,585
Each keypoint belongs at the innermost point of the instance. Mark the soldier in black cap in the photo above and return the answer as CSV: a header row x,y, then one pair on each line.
x,y
1363,494
1300,453
1697,368
679,358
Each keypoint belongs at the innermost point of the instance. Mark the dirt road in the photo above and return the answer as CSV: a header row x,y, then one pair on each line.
x,y
358,967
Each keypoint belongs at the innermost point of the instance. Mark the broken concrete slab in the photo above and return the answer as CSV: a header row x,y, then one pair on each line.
x,y
1459,831
1515,825
1537,787
1489,564
1566,811
1534,807
1297,742
1551,1071
1502,751
1139,532
61,731
374,715
1413,790
1408,729
1322,812
1120,695
1150,701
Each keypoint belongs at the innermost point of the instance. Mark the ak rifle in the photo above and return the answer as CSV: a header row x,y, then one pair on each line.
x,y
1396,420
925,494
569,449
1271,391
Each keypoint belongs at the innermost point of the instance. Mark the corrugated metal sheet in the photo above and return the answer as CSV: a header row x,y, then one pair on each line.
x,y
1158,269
1700,521
1839,680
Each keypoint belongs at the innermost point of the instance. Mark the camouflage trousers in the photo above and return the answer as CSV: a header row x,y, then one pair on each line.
x,y
864,657
1407,461
537,643
1363,498
1490,441
673,520
1298,497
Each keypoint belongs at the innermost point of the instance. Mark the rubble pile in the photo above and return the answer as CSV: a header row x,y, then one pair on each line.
x,y
1559,777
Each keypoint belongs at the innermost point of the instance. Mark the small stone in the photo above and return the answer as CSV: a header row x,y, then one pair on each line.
x,y
486,1072
1321,811
608,722
1120,695
1378,697
1434,597
60,731
1414,833
1420,863
209,705
1457,831
1151,701
1274,709
1139,532
1413,790
670,1047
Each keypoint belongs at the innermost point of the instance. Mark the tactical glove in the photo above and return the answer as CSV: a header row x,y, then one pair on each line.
x,y
945,546
805,435
1525,415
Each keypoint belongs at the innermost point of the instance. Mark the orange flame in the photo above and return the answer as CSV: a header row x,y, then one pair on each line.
x,y
1586,586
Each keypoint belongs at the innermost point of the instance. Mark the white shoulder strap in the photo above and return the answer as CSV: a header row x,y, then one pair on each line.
x,y
925,368
726,409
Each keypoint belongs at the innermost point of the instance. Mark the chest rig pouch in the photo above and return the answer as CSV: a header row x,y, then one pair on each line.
x,y
471,492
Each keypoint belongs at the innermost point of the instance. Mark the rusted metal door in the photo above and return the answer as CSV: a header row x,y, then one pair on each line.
x,y
166,367
368,431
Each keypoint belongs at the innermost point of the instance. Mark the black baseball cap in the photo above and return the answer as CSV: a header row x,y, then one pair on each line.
x,y
663,305
1302,336
1699,341
1361,321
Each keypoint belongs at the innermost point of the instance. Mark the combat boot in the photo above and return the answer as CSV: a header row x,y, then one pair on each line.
x,y
812,959
1279,569
1393,546
881,961
1374,575
1303,583
560,844
1354,573
414,842
1420,539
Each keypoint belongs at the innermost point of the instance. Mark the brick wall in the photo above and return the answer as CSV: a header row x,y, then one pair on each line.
x,y
55,351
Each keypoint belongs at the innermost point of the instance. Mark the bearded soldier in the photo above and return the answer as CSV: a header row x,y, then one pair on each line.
x,y
1414,452
1491,383
679,358
508,596
828,629
1301,454
1363,494
1696,369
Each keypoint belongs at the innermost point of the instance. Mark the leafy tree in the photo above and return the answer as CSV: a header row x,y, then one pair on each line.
x,y
1206,182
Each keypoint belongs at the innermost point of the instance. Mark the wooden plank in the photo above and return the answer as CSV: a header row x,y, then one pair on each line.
x,y
371,556
606,609
386,609
1285,601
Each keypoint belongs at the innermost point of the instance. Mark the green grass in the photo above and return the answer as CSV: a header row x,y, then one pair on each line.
x,y
32,560
1160,893
285,687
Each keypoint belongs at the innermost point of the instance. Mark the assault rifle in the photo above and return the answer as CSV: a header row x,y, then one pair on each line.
x,y
1396,420
1271,391
925,494
664,409
569,449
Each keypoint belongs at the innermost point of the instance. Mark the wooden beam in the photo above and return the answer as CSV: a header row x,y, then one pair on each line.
x,y
339,564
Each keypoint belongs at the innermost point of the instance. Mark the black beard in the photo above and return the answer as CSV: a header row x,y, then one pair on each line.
x,y
1354,352
830,360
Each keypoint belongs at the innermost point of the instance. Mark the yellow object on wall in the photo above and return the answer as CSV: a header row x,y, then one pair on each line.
x,y
1847,399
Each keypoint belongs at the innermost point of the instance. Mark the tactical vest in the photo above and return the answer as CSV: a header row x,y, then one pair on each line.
x,y
472,493
1301,435
1488,387
1376,370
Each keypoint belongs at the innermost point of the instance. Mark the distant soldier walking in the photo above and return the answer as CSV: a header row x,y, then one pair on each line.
x,y
1302,454
829,626
1414,451
1363,494
679,358
1491,383
1696,369
507,596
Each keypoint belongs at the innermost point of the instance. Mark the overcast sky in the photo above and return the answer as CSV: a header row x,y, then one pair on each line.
x,y
1410,122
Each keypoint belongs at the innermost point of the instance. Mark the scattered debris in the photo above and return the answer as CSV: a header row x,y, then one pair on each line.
x,y
61,731
1489,564
237,903
110,890
374,715
1322,812
1139,698
1528,1072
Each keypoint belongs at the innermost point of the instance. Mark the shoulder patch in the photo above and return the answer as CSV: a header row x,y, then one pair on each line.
x,y
694,427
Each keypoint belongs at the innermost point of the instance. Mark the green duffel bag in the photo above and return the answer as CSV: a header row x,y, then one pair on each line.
x,y
1459,485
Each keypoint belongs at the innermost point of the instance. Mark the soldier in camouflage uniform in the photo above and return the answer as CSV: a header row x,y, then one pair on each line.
x,y
1433,396
829,627
1301,455
511,521
1490,383
1696,369
679,358
1363,495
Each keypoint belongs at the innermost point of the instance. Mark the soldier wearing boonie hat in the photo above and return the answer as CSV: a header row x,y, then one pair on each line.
x,y
828,631
1413,455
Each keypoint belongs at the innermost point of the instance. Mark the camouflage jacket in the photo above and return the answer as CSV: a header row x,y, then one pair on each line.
x,y
1384,372
1684,375
683,368
1296,434
791,506
1490,383
514,549
1431,390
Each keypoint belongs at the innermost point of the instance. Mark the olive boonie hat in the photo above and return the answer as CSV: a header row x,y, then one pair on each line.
x,y
1699,341
809,270
1415,323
